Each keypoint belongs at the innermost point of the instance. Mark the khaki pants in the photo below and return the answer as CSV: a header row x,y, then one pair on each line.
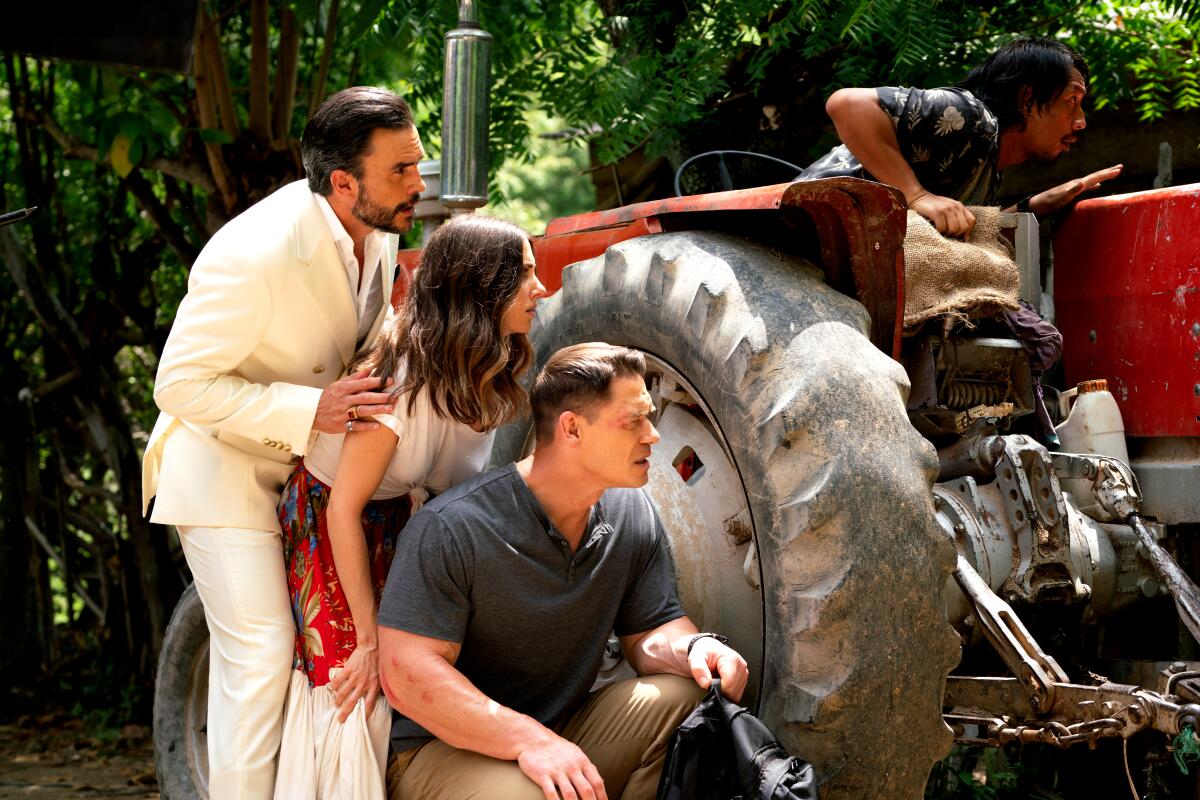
x,y
623,728
240,576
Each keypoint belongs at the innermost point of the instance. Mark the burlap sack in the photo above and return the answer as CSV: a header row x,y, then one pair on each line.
x,y
964,280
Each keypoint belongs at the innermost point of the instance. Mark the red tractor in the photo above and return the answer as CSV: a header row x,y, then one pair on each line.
x,y
851,546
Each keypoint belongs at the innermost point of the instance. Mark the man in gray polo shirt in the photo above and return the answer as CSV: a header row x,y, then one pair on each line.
x,y
504,589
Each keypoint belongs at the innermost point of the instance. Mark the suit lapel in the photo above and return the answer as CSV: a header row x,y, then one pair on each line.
x,y
325,277
387,272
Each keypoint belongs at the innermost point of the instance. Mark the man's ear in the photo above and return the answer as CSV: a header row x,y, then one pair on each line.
x,y
568,428
344,184
1025,101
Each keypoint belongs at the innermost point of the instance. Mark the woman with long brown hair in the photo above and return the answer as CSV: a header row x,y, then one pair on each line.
x,y
455,351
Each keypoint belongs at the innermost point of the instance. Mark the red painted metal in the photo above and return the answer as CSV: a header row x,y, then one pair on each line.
x,y
1127,297
760,197
553,253
860,226
406,262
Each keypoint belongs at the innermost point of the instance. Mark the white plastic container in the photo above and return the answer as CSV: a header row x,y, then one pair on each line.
x,y
1092,424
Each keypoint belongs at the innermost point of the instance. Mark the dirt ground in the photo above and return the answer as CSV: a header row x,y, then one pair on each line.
x,y
53,756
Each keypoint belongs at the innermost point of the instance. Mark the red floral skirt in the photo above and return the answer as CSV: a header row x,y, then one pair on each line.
x,y
325,634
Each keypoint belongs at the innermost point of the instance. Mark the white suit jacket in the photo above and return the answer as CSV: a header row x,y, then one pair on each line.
x,y
267,322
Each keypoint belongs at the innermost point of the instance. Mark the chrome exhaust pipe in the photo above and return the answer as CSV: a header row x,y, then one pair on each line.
x,y
466,88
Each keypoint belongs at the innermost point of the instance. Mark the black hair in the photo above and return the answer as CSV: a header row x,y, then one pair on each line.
x,y
339,133
1042,64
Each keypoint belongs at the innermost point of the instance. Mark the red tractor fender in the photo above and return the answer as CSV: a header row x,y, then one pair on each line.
x,y
854,229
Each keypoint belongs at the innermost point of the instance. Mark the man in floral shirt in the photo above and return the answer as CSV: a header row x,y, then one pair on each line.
x,y
945,148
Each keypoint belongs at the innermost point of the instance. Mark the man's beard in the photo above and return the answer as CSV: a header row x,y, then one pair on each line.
x,y
380,217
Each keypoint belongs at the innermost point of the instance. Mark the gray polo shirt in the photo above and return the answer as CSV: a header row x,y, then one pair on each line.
x,y
482,565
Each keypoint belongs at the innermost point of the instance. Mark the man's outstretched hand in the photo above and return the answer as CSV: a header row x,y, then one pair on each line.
x,y
950,217
1052,200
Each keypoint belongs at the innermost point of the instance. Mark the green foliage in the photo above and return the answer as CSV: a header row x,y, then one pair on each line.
x,y
978,773
546,184
653,70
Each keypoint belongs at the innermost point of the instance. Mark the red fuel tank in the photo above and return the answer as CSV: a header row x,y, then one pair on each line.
x,y
1127,299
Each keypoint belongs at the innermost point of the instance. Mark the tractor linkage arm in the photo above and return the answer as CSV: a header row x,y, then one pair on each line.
x,y
1041,704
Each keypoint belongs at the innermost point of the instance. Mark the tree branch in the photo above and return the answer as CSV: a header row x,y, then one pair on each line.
x,y
53,385
209,37
78,484
73,148
186,203
162,97
41,539
284,97
185,171
177,240
260,78
318,87
206,111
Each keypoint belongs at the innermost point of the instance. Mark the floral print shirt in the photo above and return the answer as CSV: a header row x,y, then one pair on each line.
x,y
949,138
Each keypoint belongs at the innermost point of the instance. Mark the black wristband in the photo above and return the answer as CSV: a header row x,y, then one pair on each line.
x,y
699,636
1023,204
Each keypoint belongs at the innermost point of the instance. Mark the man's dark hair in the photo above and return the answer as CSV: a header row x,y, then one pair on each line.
x,y
339,134
1042,64
577,378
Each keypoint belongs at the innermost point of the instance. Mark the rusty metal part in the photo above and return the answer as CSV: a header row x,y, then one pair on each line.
x,y
996,732
1038,671
972,455
1183,589
963,394
1079,713
1034,506
980,378
1117,490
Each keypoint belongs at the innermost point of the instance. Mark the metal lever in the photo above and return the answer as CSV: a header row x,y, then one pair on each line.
x,y
1185,592
1119,496
1015,644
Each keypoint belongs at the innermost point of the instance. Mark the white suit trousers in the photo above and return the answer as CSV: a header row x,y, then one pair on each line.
x,y
239,574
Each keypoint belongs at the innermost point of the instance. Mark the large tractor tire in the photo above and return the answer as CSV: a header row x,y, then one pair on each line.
x,y
797,497
181,704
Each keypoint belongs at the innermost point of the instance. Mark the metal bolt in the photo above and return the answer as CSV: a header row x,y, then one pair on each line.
x,y
1196,390
1177,666
738,530
1091,336
1196,329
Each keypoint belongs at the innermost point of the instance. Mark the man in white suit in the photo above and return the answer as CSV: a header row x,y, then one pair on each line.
x,y
278,302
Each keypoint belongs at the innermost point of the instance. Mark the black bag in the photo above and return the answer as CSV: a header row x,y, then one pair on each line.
x,y
723,752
